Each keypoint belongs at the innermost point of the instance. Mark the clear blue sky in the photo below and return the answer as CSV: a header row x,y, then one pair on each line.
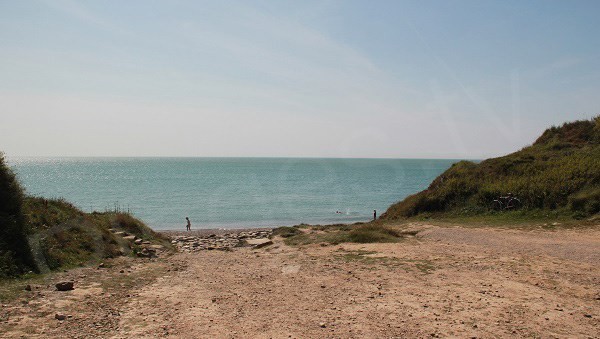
x,y
456,79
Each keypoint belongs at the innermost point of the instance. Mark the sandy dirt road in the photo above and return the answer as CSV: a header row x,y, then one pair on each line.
x,y
445,282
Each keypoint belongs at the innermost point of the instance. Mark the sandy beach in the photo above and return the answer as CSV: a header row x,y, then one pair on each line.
x,y
444,282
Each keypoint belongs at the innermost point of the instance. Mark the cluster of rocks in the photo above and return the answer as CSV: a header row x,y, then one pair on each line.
x,y
223,242
144,249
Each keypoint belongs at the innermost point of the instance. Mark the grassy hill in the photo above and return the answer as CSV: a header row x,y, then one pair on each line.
x,y
42,235
62,236
560,172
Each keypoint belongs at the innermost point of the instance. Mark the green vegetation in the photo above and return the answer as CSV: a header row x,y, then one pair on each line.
x,y
337,234
559,174
41,235
286,231
373,233
62,236
15,255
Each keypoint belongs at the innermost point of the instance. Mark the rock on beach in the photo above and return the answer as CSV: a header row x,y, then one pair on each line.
x,y
223,242
64,286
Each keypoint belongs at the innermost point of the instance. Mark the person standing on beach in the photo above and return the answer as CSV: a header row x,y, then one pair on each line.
x,y
189,224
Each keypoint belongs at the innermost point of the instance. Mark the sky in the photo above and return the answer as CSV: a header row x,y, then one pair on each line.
x,y
358,79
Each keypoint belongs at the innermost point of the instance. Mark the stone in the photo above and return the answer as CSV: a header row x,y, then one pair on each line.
x,y
59,316
130,237
322,325
259,243
138,241
146,253
28,288
64,286
101,265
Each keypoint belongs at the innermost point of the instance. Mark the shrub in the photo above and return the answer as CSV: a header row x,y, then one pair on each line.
x,y
286,231
373,233
15,255
586,202
363,233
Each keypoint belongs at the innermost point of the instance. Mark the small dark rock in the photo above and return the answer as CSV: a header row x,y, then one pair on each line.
x,y
60,317
28,288
64,286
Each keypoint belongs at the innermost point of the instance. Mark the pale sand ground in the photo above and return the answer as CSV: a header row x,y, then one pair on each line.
x,y
446,282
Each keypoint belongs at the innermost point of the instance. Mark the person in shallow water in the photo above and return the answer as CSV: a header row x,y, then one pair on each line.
x,y
189,224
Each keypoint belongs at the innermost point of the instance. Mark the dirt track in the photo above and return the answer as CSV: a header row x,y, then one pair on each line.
x,y
446,282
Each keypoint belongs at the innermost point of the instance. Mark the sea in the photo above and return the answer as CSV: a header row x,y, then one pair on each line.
x,y
230,192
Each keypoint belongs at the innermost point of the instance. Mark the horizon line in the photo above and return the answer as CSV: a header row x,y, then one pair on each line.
x,y
238,157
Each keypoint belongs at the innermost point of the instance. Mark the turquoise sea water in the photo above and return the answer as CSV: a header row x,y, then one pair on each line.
x,y
230,192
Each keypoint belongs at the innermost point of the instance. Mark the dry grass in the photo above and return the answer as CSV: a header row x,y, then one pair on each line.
x,y
363,233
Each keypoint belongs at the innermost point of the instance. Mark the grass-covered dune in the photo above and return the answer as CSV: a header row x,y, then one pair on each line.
x,y
560,172
41,235
62,236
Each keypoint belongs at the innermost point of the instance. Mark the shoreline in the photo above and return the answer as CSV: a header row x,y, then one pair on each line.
x,y
218,231
208,231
